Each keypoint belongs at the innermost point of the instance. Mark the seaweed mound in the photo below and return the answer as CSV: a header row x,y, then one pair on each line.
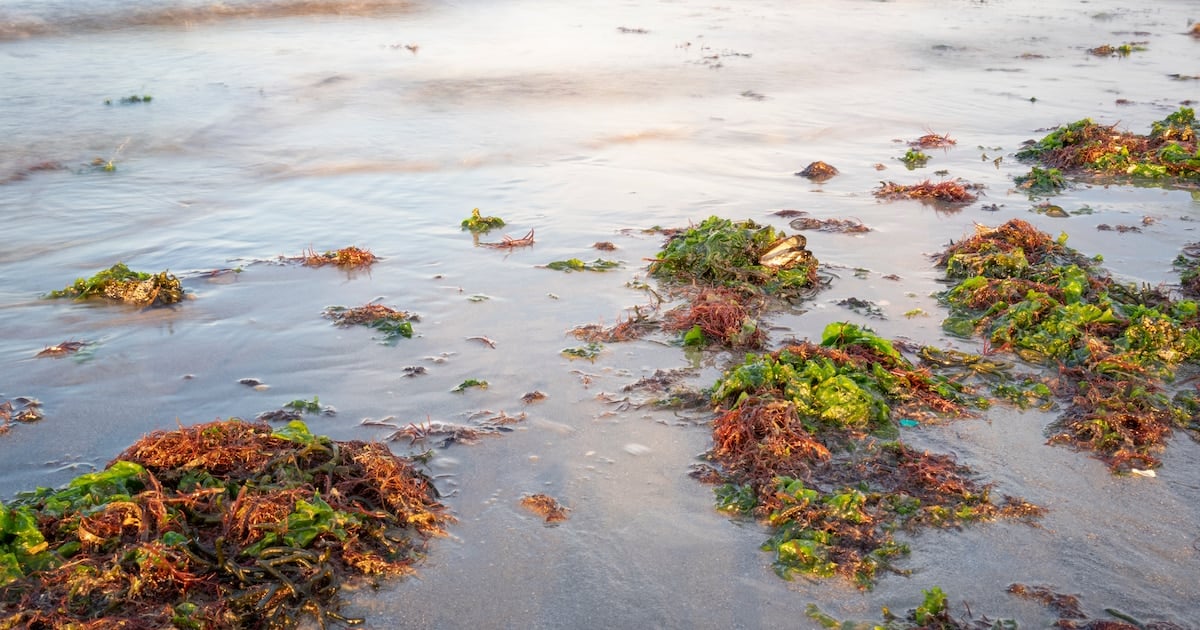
x,y
224,524
121,283
1170,149
749,258
1117,346
801,442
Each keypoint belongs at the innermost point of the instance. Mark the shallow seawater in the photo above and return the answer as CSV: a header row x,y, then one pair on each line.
x,y
279,126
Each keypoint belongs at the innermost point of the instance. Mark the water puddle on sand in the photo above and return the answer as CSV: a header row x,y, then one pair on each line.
x,y
277,127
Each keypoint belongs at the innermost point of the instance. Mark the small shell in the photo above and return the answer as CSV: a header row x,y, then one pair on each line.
x,y
786,253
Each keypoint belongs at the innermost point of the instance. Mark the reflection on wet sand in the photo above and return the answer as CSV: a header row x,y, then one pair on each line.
x,y
14,27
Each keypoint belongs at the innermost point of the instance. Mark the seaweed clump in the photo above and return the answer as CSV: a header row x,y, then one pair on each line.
x,y
1116,346
948,191
933,613
546,507
716,314
1170,149
224,524
392,323
801,441
750,259
122,284
347,258
818,171
478,223
26,410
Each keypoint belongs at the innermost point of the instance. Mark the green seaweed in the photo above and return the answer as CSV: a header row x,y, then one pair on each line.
x,y
394,324
589,351
719,252
575,264
468,384
1169,151
478,223
914,158
1041,180
794,438
225,524
1120,345
121,283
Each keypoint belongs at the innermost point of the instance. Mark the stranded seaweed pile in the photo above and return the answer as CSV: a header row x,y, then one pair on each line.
x,y
225,524
1117,346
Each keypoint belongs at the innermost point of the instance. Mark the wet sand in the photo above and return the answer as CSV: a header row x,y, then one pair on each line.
x,y
270,133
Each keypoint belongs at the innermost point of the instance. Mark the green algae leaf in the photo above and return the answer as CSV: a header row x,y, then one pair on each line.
x,y
307,522
478,223
118,482
469,383
842,334
735,498
575,264
22,547
296,431
589,352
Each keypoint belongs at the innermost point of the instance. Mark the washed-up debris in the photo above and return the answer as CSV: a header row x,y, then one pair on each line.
x,y
491,343
131,100
932,614
575,264
632,327
604,246
845,226
1116,346
1066,606
589,352
716,315
743,256
23,173
63,349
219,525
1119,228
20,409
294,410
413,370
1122,50
448,433
346,258
546,507
508,242
782,441
469,384
818,171
863,307
1170,150
121,283
949,191
934,141
479,224
914,159
392,323
1041,181
667,390
534,396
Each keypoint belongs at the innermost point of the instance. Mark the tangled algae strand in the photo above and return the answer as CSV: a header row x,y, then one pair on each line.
x,y
223,524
